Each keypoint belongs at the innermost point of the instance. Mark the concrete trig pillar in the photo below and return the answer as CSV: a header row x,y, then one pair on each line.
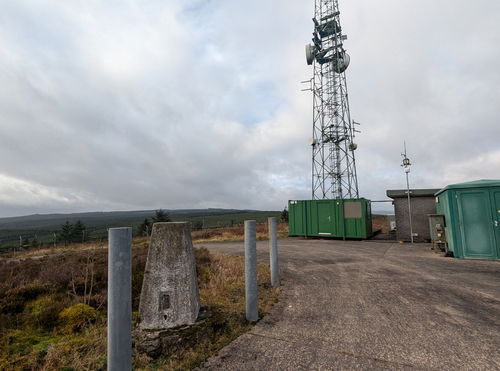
x,y
169,296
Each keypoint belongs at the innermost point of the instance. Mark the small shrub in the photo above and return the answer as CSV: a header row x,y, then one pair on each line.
x,y
77,317
14,300
44,311
203,265
202,256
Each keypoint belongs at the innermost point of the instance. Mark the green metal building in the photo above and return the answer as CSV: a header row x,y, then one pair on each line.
x,y
472,216
342,218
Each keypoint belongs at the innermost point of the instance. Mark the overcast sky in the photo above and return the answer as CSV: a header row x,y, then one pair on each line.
x,y
118,105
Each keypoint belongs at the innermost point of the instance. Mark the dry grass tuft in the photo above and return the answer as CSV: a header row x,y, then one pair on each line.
x,y
59,250
236,233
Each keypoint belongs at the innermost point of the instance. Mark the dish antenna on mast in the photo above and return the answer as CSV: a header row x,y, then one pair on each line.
x,y
333,164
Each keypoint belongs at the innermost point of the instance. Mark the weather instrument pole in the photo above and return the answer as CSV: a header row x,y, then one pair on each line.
x,y
406,166
333,164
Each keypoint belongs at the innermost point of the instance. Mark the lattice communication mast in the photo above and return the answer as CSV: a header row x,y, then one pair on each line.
x,y
333,164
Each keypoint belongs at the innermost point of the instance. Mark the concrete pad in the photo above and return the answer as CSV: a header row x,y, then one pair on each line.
x,y
372,305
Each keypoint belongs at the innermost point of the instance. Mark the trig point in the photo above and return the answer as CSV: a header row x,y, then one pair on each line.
x,y
169,296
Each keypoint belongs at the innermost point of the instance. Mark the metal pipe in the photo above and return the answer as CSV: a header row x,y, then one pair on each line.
x,y
120,299
406,166
252,308
273,251
409,207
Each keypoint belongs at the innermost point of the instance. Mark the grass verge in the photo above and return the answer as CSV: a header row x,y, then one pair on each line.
x,y
52,310
227,234
237,233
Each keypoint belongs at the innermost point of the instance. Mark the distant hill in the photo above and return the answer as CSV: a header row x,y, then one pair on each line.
x,y
90,218
43,226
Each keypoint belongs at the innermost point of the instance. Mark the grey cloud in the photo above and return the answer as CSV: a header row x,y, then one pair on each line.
x,y
109,106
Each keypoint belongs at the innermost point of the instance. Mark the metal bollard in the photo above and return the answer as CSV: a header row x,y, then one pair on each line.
x,y
273,251
120,299
252,307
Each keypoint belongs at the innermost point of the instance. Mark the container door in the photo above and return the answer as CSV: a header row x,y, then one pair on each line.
x,y
476,225
325,218
296,217
496,219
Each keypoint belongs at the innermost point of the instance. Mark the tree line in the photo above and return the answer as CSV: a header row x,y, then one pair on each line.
x,y
161,216
71,233
78,233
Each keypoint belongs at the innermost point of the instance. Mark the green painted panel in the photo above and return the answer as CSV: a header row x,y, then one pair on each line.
x,y
443,207
296,217
484,183
312,218
361,226
325,218
472,217
496,219
338,206
475,222
353,218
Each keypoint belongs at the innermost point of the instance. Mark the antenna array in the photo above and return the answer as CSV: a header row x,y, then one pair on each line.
x,y
333,163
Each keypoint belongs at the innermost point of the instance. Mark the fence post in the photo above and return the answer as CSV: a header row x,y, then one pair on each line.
x,y
120,299
252,308
273,251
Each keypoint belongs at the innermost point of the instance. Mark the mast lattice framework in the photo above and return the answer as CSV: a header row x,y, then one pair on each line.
x,y
333,164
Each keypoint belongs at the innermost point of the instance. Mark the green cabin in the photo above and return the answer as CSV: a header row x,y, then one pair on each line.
x,y
472,217
342,218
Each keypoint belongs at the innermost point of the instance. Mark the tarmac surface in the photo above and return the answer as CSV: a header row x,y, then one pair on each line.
x,y
371,305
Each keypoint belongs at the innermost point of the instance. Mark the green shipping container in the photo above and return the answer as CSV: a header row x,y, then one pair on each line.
x,y
350,218
472,217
